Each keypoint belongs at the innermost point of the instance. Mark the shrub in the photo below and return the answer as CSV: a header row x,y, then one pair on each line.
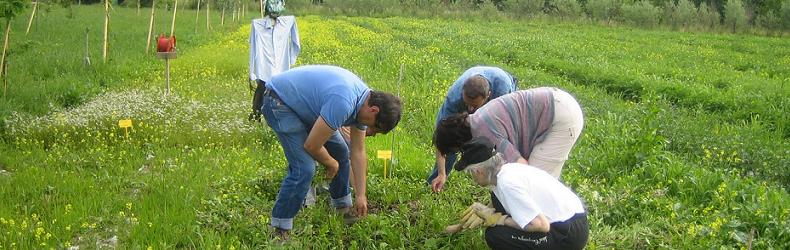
x,y
769,21
708,17
604,10
641,13
684,13
784,14
527,7
566,8
735,15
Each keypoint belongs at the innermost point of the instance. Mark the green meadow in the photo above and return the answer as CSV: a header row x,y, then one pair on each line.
x,y
686,141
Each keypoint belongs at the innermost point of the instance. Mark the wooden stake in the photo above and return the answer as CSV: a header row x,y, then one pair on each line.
x,y
30,22
106,26
138,6
262,8
173,24
222,17
197,16
87,59
208,15
150,27
2,61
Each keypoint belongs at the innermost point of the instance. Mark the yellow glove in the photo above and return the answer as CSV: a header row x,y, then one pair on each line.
x,y
468,217
490,217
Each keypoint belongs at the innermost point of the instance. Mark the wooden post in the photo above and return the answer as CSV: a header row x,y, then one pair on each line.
x,y
222,17
87,59
262,1
173,24
197,16
150,27
30,22
167,76
106,26
208,15
138,6
2,60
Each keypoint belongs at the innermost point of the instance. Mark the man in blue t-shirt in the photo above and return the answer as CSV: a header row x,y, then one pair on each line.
x,y
475,87
305,107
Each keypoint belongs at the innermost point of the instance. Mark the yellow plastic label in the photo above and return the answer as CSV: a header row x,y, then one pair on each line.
x,y
384,154
125,123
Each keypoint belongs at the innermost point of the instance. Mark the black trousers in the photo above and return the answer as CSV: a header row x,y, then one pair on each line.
x,y
570,234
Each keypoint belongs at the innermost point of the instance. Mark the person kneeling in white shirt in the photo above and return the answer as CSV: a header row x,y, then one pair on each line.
x,y
531,209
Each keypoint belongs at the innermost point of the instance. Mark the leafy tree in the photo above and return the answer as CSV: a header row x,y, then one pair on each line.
x,y
566,8
784,14
10,8
527,7
685,13
708,17
641,13
604,10
735,16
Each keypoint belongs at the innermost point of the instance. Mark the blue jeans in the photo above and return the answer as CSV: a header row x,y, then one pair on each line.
x,y
292,134
448,167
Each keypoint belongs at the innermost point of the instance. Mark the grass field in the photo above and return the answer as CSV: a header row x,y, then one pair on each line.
x,y
685,142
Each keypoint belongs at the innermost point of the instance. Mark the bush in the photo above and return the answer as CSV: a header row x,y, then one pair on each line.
x,y
708,17
566,8
526,7
684,13
735,16
769,21
784,14
604,10
641,13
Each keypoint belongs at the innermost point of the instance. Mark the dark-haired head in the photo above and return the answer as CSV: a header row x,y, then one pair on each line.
x,y
451,133
390,110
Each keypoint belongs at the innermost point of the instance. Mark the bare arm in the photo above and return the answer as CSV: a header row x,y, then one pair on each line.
x,y
314,145
438,183
359,163
539,224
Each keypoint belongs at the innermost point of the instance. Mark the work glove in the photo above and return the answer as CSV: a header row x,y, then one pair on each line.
x,y
490,217
468,217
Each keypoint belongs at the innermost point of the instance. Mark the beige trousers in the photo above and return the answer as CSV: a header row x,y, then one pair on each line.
x,y
551,154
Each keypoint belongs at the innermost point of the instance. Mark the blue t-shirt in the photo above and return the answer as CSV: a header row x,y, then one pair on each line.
x,y
330,92
499,83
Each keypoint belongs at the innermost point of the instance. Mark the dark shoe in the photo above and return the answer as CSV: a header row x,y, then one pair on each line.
x,y
281,236
348,216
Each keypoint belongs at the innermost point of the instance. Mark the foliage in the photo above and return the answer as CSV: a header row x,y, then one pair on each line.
x,y
603,10
735,16
641,13
566,8
685,13
10,8
708,17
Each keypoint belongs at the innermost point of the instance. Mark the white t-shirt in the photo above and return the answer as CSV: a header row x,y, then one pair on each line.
x,y
526,191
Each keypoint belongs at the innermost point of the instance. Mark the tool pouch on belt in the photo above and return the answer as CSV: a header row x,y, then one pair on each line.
x,y
257,100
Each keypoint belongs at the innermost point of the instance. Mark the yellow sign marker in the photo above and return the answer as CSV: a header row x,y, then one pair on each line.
x,y
385,155
125,124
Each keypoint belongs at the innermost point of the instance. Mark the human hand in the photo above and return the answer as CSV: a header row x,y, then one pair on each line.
x,y
438,183
331,170
361,206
